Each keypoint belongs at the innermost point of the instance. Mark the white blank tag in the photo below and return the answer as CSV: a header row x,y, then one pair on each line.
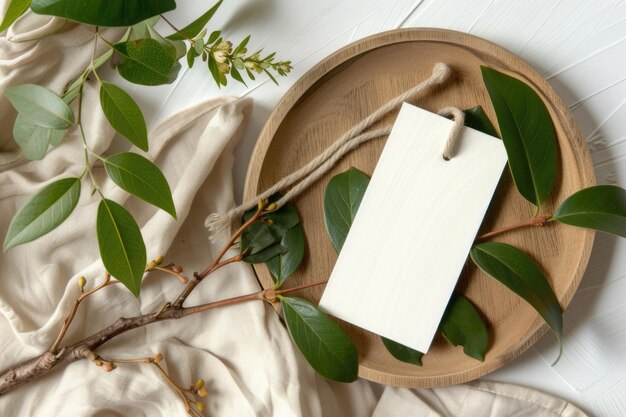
x,y
414,229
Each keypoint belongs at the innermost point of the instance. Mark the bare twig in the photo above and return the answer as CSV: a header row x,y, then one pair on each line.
x,y
535,221
68,320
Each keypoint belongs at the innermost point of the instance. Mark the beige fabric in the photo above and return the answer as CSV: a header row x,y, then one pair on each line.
x,y
243,352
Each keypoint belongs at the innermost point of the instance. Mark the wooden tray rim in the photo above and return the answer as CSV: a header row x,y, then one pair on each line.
x,y
508,62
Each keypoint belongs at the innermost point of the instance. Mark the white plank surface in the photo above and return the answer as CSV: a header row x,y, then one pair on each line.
x,y
419,213
579,45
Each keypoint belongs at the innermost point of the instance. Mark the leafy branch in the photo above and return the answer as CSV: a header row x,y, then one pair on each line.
x,y
144,57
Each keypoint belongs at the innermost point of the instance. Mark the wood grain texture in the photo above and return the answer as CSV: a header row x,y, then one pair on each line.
x,y
349,85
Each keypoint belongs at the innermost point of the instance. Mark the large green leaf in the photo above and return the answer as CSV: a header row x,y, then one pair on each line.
x,y
476,118
43,212
41,105
403,353
14,11
527,132
602,207
104,12
342,198
462,325
140,177
122,248
324,345
517,271
146,62
34,139
196,26
124,114
286,263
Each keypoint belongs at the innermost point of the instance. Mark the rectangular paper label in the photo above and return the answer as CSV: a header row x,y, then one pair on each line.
x,y
414,229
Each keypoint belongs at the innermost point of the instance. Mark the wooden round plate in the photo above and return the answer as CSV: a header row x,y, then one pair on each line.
x,y
350,84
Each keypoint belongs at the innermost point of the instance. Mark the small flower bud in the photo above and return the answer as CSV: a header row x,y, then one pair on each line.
x,y
98,362
203,393
199,383
272,207
151,265
159,259
177,268
157,357
260,205
81,283
200,406
270,221
107,366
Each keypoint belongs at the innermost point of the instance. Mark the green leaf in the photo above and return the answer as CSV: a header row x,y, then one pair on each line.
x,y
602,207
260,235
516,271
266,254
323,344
14,11
176,49
124,114
527,132
476,118
236,75
104,12
122,248
342,198
43,212
41,105
140,177
146,62
192,54
286,263
403,353
462,325
213,37
192,29
34,139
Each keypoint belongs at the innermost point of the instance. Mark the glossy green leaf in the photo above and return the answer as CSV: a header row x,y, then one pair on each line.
x,y
518,272
602,207
476,118
261,235
124,114
104,12
140,177
34,139
527,132
462,325
286,263
403,353
14,11
266,254
342,198
323,344
43,212
146,62
192,29
122,248
41,105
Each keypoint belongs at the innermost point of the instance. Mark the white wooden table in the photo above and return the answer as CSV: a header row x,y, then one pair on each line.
x,y
578,45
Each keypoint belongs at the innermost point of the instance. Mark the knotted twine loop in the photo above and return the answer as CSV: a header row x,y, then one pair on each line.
x,y
217,223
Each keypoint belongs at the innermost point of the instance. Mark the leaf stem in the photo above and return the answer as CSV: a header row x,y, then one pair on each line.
x,y
177,30
198,277
534,221
68,320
